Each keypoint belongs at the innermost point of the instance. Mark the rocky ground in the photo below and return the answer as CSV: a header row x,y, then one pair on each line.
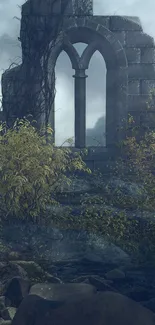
x,y
79,258
40,260
18,278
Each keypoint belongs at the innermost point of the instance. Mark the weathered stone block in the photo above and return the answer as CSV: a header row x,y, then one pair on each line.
x,y
56,7
2,117
137,102
148,55
121,36
134,87
91,24
40,36
121,58
26,8
138,39
110,37
78,8
81,21
103,20
43,7
24,22
133,55
69,23
122,75
147,86
148,119
125,23
141,71
38,22
113,76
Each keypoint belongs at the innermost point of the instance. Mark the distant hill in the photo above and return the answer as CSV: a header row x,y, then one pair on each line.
x,y
95,136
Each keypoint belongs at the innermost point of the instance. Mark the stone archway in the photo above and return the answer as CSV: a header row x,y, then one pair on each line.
x,y
116,37
98,38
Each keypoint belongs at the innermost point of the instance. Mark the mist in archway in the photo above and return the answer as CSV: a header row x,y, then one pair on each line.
x,y
95,99
64,101
96,102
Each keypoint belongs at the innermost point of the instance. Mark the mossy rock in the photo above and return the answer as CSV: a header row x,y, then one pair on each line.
x,y
36,273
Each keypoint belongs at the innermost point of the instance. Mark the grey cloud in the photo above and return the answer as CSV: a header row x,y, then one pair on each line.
x,y
9,31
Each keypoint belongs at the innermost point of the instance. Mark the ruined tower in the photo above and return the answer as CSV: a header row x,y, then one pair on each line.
x,y
128,52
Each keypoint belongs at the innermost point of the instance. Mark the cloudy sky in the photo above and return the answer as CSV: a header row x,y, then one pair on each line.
x,y
10,51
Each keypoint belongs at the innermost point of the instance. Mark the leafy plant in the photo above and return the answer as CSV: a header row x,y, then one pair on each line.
x,y
122,218
32,169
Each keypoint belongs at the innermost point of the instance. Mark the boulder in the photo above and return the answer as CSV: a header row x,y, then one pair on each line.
x,y
36,273
115,274
150,304
16,290
38,243
8,270
99,249
139,293
63,292
99,283
107,308
31,306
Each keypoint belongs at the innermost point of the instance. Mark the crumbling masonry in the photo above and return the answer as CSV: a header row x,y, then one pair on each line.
x,y
128,52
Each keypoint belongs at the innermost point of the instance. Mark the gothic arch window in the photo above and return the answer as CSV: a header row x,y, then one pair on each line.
x,y
98,38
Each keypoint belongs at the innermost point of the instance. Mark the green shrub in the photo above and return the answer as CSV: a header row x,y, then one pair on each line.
x,y
31,170
108,214
135,235
136,164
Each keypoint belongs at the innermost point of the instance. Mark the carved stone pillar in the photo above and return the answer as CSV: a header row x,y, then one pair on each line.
x,y
80,108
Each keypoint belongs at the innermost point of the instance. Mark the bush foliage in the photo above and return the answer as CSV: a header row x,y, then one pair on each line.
x,y
31,169
125,219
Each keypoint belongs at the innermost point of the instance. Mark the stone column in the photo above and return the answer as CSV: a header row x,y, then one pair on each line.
x,y
80,108
51,120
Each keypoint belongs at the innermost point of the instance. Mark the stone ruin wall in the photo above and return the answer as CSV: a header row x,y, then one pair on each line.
x,y
127,32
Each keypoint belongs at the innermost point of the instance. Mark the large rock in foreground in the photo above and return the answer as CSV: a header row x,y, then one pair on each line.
x,y
63,292
8,270
106,308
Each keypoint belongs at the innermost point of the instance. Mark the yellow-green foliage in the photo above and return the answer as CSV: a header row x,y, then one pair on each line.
x,y
31,169
108,213
133,234
137,164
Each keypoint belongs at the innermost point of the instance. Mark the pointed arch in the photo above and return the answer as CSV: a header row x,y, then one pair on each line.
x,y
99,38
65,45
102,39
